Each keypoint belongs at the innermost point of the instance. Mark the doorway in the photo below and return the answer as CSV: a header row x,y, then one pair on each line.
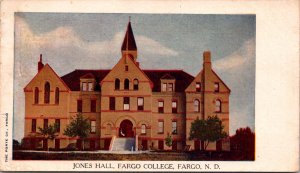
x,y
126,129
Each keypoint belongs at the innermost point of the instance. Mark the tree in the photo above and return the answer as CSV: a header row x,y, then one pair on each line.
x,y
168,140
49,132
243,142
78,127
207,130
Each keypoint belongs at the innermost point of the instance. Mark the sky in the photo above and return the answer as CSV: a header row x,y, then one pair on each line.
x,y
70,41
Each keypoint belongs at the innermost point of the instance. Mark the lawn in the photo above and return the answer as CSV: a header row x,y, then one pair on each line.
x,y
167,156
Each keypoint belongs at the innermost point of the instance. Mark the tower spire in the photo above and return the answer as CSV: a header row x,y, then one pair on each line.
x,y
129,45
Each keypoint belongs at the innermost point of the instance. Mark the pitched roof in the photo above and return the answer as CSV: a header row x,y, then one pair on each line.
x,y
167,76
129,41
221,80
87,76
44,67
183,79
73,79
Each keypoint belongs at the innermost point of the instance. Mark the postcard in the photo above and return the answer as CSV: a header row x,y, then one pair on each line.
x,y
149,86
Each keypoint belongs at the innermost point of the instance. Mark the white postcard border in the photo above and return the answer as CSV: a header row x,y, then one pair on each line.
x,y
277,76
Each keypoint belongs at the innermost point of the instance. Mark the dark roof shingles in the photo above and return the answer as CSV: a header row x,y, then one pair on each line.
x,y
129,41
183,79
73,79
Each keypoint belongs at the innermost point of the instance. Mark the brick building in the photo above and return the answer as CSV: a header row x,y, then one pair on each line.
x,y
125,102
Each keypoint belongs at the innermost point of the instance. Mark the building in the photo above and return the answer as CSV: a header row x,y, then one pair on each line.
x,y
125,102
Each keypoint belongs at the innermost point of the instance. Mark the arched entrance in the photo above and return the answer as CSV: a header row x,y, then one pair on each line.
x,y
126,129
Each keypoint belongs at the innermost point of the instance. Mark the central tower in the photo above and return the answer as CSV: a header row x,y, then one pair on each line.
x,y
129,46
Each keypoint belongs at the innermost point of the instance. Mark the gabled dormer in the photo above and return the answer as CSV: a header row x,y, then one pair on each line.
x,y
167,83
87,82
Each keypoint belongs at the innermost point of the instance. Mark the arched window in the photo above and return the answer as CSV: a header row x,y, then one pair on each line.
x,y
56,95
117,84
47,93
36,95
196,105
218,106
135,84
108,130
143,129
126,84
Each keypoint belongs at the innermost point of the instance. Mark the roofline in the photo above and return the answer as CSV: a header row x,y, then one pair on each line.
x,y
54,74
163,70
140,68
59,77
33,78
92,69
135,63
221,80
124,56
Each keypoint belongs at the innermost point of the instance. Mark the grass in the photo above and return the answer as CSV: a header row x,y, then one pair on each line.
x,y
166,156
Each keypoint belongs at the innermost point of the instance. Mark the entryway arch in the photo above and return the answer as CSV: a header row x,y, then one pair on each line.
x,y
126,129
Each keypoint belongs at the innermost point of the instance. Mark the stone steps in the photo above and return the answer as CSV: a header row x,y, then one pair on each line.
x,y
123,144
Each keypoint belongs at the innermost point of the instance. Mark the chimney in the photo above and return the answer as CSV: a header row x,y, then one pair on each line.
x,y
40,63
206,60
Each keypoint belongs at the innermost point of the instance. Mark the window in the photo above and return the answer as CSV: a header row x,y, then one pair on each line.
x,y
56,95
57,122
217,87
198,87
90,86
196,105
93,105
47,93
174,127
126,84
112,103
45,123
84,86
140,103
164,87
174,107
126,103
126,68
108,130
160,106
36,95
33,125
170,86
143,129
79,105
93,126
135,84
117,84
160,127
218,106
